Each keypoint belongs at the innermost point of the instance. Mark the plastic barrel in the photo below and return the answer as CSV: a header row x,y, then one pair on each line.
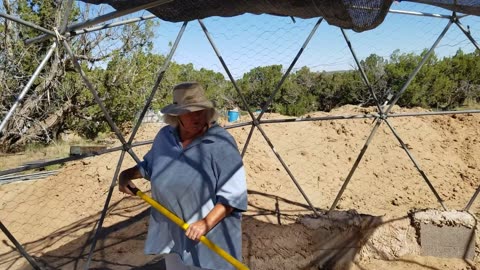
x,y
233,116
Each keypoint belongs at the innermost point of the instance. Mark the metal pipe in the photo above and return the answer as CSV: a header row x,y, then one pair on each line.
x,y
249,123
44,173
325,118
415,163
244,101
287,170
224,65
362,72
472,200
27,87
432,113
32,25
72,158
99,102
103,18
417,69
65,17
299,53
247,142
467,33
157,82
19,247
347,117
282,80
92,89
104,211
417,13
109,25
355,165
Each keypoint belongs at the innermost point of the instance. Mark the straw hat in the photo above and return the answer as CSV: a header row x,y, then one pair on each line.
x,y
187,97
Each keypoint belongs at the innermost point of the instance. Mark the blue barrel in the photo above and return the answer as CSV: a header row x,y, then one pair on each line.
x,y
233,116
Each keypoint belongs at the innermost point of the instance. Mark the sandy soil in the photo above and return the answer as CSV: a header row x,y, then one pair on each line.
x,y
370,228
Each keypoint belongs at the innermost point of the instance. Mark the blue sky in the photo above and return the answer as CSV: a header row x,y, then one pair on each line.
x,y
249,41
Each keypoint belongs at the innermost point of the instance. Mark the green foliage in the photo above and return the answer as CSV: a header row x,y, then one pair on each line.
x,y
128,75
258,85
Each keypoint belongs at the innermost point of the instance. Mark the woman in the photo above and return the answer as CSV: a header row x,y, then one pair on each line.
x,y
196,172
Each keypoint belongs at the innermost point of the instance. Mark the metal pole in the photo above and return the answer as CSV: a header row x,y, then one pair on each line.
x,y
72,158
355,165
102,18
347,117
66,15
325,118
282,80
207,34
255,121
474,42
472,200
19,247
27,87
287,170
243,124
104,211
157,82
247,142
273,121
467,33
423,14
32,25
415,163
244,101
94,92
270,100
362,72
432,113
110,25
90,86
417,69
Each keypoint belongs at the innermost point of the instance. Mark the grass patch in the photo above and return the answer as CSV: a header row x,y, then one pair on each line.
x,y
468,105
38,153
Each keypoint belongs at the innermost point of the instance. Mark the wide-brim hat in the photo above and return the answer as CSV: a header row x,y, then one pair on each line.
x,y
187,97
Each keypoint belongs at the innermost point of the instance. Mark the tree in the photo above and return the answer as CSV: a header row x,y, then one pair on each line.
x,y
258,84
57,94
374,67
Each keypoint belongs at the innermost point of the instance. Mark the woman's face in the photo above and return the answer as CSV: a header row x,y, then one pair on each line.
x,y
193,122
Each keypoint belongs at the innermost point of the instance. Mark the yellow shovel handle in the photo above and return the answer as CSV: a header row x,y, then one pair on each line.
x,y
229,258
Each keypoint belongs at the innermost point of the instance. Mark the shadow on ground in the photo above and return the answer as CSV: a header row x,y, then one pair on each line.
x,y
332,241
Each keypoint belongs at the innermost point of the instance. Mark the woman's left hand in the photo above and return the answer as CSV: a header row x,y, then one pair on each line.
x,y
197,230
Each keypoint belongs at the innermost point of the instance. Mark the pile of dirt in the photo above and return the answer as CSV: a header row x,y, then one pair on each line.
x,y
369,228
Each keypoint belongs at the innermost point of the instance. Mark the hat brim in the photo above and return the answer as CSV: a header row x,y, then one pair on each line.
x,y
175,109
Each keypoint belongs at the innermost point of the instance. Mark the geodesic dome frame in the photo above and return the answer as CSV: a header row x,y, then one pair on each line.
x,y
357,16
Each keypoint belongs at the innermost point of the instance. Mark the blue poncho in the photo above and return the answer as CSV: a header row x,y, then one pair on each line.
x,y
189,182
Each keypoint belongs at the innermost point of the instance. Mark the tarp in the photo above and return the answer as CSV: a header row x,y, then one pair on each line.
x,y
358,15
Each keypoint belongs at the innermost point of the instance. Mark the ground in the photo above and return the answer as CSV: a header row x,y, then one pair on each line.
x,y
370,227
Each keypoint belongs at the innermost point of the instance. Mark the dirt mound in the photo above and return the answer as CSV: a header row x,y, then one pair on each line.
x,y
54,217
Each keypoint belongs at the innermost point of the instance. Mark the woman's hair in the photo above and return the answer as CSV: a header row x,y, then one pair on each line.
x,y
172,120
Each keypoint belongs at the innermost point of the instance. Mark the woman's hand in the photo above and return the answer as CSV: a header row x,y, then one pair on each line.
x,y
197,230
203,226
125,177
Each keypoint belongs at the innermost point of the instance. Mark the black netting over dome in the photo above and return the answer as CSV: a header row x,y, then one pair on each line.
x,y
358,15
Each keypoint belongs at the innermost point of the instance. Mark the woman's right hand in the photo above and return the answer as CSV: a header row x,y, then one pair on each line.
x,y
125,179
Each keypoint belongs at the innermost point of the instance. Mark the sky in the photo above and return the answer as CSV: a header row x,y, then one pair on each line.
x,y
249,41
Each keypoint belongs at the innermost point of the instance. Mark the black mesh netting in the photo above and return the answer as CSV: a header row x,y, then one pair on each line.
x,y
358,15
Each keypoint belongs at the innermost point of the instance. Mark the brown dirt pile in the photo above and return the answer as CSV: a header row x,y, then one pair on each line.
x,y
53,218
